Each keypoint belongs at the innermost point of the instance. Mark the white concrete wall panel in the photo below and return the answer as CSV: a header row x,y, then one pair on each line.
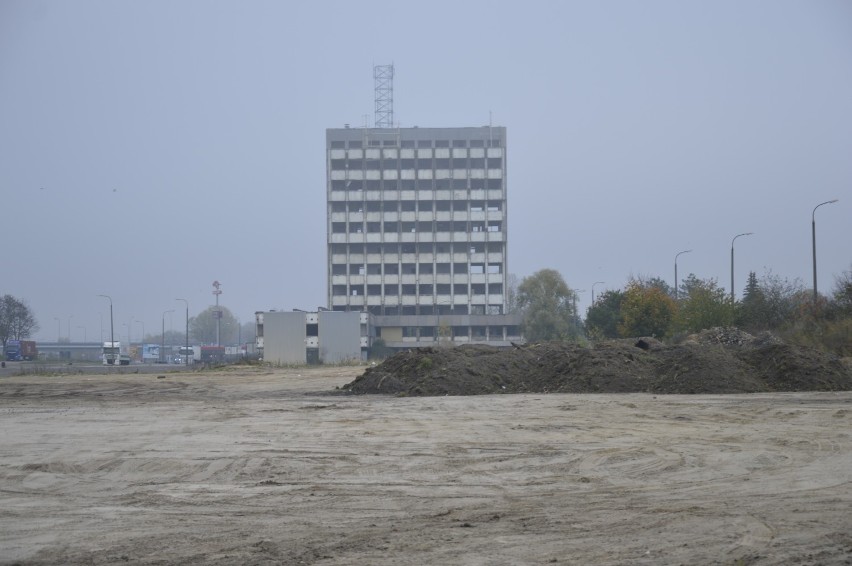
x,y
284,338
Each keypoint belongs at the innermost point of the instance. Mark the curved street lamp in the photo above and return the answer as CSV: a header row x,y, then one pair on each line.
x,y
676,281
813,239
111,330
732,263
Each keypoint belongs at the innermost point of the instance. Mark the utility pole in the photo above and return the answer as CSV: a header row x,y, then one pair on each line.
x,y
217,313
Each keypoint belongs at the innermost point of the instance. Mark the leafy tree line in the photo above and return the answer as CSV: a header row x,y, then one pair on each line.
x,y
17,321
648,307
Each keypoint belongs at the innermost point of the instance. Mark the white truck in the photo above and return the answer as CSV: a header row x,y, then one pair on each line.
x,y
112,355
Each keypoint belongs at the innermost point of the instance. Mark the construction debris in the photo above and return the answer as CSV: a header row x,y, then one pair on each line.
x,y
718,360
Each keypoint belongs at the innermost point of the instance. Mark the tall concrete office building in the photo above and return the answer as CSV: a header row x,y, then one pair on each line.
x,y
418,233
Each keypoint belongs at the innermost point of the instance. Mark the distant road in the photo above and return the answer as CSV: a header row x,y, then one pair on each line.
x,y
41,368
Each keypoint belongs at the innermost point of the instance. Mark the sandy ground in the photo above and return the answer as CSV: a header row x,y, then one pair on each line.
x,y
261,467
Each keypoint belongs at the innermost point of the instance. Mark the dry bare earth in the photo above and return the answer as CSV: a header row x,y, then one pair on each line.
x,y
259,468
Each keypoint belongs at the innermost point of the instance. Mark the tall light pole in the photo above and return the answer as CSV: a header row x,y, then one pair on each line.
x,y
111,332
186,357
732,263
813,239
163,335
69,327
217,291
593,290
676,281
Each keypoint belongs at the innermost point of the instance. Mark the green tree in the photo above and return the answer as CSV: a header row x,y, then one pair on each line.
x,y
646,311
203,327
704,305
17,321
646,282
603,317
752,312
547,304
841,296
785,299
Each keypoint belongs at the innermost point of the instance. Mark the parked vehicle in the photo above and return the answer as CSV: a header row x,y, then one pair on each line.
x,y
20,350
112,354
212,354
188,355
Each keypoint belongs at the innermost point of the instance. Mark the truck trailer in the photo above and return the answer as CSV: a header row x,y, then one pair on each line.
x,y
21,350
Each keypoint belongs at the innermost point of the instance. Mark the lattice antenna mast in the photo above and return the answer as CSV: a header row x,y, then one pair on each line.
x,y
383,76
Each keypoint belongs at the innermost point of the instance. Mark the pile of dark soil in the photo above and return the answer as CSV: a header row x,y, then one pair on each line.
x,y
719,360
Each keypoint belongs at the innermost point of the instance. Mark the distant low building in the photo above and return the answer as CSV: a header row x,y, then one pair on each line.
x,y
299,337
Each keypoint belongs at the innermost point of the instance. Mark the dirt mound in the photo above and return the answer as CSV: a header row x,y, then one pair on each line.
x,y
714,361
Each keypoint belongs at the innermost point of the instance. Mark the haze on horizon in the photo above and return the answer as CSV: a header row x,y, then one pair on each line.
x,y
148,149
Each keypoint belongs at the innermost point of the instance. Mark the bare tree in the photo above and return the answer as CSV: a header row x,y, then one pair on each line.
x,y
17,321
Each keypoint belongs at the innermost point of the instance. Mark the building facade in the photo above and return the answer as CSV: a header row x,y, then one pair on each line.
x,y
417,233
299,337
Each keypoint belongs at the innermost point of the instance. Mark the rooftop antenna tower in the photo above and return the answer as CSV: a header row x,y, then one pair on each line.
x,y
383,76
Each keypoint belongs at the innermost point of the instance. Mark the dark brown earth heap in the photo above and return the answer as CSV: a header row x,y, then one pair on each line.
x,y
719,360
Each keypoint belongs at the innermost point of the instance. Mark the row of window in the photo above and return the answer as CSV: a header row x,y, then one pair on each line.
x,y
458,268
358,144
417,206
409,310
418,163
423,227
418,248
417,184
472,332
422,290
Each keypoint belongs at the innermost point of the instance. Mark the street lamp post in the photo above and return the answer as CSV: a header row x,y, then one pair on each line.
x,y
163,335
813,239
186,357
593,290
732,263
111,331
69,327
676,281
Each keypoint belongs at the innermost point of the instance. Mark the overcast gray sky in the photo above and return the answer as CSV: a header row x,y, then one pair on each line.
x,y
150,148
